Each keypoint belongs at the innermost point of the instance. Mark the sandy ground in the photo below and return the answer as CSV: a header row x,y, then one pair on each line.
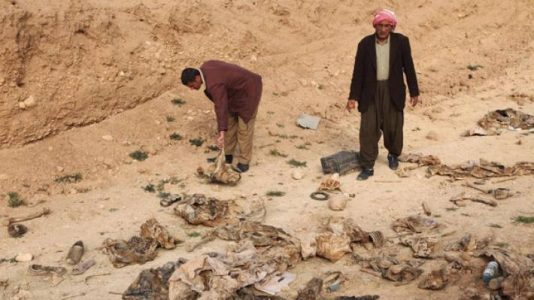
x,y
308,74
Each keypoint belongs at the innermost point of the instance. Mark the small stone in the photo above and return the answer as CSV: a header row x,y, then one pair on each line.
x,y
432,135
337,203
30,102
60,168
142,171
107,137
297,175
22,105
23,257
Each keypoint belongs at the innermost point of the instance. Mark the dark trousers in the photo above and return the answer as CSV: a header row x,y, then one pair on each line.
x,y
380,117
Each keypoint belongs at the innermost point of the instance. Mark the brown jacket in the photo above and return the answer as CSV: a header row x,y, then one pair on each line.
x,y
233,90
363,85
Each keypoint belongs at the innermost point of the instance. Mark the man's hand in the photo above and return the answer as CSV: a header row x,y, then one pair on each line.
x,y
414,101
220,140
351,104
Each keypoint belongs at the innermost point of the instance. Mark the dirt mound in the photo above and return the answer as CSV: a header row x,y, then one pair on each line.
x,y
75,66
76,63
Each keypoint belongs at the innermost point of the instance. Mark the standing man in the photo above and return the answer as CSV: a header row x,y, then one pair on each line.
x,y
378,87
236,94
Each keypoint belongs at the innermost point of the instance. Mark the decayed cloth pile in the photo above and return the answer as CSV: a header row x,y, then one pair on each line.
x,y
483,169
260,257
199,209
220,172
493,122
139,249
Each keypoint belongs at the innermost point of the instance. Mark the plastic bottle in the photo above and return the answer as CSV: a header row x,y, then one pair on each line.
x,y
491,271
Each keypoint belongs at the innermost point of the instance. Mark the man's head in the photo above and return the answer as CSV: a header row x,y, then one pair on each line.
x,y
191,78
384,23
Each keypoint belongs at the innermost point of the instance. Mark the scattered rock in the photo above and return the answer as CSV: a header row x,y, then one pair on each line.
x,y
24,257
337,203
432,135
28,103
107,137
297,174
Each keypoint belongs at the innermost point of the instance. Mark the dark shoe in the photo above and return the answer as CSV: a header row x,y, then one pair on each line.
x,y
241,168
228,158
393,162
365,173
75,253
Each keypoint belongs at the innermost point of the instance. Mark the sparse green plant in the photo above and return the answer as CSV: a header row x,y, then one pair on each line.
x,y
437,216
14,199
196,142
302,147
213,148
149,188
502,245
174,180
163,195
297,163
524,219
193,234
474,67
70,178
178,101
495,225
170,119
175,136
451,208
275,152
283,136
270,112
139,155
275,193
280,125
161,185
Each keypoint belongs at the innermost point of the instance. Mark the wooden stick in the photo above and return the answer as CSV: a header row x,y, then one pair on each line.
x,y
96,275
507,179
31,216
372,272
73,296
484,201
467,184
205,240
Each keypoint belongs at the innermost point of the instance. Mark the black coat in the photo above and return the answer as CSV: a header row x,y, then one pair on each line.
x,y
363,85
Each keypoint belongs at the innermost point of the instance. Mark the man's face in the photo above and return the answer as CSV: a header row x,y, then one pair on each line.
x,y
383,29
196,83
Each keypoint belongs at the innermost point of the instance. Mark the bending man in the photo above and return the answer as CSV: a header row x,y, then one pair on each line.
x,y
236,94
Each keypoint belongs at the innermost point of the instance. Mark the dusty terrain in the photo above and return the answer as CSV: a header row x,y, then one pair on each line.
x,y
85,83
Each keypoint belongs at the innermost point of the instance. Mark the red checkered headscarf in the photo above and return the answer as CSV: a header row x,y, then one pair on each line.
x,y
385,15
